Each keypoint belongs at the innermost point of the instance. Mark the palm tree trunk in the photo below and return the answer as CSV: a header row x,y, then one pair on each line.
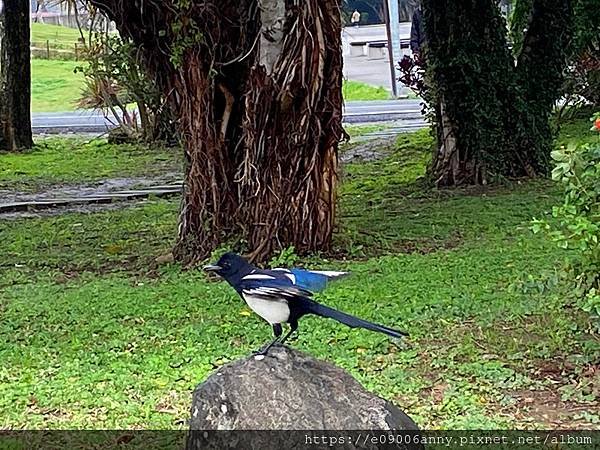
x,y
292,128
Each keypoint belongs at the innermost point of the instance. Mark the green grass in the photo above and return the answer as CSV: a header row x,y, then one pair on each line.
x,y
96,334
54,85
58,161
355,90
57,36
76,160
355,131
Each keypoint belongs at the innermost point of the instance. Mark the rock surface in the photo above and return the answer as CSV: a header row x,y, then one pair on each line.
x,y
286,390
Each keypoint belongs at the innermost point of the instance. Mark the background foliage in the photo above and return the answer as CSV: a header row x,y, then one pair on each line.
x,y
582,80
577,224
114,78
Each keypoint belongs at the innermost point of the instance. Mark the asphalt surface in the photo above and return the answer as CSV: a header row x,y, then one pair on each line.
x,y
82,121
354,112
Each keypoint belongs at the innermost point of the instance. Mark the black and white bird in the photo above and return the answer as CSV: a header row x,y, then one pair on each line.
x,y
283,295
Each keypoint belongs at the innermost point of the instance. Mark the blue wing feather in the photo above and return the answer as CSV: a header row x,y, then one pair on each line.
x,y
311,281
306,280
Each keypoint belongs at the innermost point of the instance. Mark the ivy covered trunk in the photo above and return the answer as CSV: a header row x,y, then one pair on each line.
x,y
495,109
292,128
15,76
539,72
252,84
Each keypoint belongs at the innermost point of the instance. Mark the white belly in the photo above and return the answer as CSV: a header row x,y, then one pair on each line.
x,y
273,311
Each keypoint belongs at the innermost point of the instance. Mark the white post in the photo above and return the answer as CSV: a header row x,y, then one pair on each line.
x,y
394,38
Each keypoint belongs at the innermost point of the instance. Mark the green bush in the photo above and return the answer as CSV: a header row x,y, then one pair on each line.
x,y
114,79
577,224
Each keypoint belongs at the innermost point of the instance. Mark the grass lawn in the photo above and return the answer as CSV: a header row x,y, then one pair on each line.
x,y
355,131
75,160
355,90
54,85
57,36
72,161
96,334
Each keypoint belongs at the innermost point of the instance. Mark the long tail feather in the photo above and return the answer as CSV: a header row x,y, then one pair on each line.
x,y
349,320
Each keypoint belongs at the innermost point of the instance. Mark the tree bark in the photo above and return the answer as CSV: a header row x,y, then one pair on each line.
x,y
256,88
292,128
199,54
15,76
210,202
447,167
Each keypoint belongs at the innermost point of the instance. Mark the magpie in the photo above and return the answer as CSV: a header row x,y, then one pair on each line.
x,y
284,296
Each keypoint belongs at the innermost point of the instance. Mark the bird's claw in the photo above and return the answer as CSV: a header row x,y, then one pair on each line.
x,y
264,351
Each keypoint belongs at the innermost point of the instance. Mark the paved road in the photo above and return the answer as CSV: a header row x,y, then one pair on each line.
x,y
82,121
354,112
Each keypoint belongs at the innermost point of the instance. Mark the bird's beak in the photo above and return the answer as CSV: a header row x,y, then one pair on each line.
x,y
212,268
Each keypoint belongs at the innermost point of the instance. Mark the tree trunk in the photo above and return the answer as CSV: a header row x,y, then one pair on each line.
x,y
256,88
447,167
539,72
498,112
15,76
210,202
288,177
199,54
470,68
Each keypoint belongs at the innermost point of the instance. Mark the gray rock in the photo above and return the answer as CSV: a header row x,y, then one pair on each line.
x,y
286,390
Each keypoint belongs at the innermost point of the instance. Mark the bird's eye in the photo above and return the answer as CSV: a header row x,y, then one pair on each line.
x,y
226,265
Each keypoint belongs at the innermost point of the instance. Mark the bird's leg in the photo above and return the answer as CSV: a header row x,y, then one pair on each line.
x,y
277,331
265,349
293,327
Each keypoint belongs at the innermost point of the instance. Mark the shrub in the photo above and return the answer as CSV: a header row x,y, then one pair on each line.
x,y
577,224
114,80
